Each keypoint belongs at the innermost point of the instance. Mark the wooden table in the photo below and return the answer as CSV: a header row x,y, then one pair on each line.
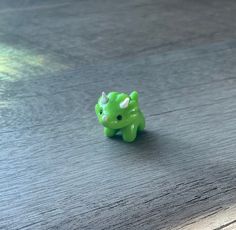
x,y
58,171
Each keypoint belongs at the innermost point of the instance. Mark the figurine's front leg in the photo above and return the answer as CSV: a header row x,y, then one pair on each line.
x,y
109,132
129,133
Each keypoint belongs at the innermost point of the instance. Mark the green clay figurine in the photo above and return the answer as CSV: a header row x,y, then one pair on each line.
x,y
120,112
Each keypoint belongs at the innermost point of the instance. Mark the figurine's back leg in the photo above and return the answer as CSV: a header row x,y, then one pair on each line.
x,y
109,132
142,124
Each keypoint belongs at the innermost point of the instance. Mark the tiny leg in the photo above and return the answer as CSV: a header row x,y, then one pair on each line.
x,y
141,125
109,132
129,133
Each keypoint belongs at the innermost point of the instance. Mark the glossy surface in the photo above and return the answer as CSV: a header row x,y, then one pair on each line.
x,y
119,112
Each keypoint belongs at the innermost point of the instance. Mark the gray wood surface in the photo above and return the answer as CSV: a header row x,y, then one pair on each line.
x,y
57,171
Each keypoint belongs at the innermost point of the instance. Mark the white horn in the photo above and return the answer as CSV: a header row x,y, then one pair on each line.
x,y
124,104
104,98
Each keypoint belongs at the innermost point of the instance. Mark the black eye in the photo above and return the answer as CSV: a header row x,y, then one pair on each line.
x,y
119,117
100,112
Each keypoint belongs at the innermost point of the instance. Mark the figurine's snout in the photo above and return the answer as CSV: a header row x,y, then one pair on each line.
x,y
105,118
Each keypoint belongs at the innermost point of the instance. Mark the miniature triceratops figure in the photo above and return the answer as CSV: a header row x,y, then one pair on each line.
x,y
120,112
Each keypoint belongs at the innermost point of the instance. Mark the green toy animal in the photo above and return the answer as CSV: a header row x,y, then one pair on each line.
x,y
120,112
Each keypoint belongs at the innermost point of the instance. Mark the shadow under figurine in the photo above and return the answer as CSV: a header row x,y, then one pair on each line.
x,y
120,112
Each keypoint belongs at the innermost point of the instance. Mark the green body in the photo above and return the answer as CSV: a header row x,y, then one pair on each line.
x,y
120,112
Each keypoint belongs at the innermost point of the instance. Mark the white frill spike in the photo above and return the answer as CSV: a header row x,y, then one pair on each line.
x,y
104,98
124,104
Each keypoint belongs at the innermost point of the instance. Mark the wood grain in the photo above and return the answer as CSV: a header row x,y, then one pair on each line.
x,y
57,171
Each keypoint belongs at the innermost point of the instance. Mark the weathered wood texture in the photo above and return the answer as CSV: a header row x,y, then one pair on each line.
x,y
57,171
